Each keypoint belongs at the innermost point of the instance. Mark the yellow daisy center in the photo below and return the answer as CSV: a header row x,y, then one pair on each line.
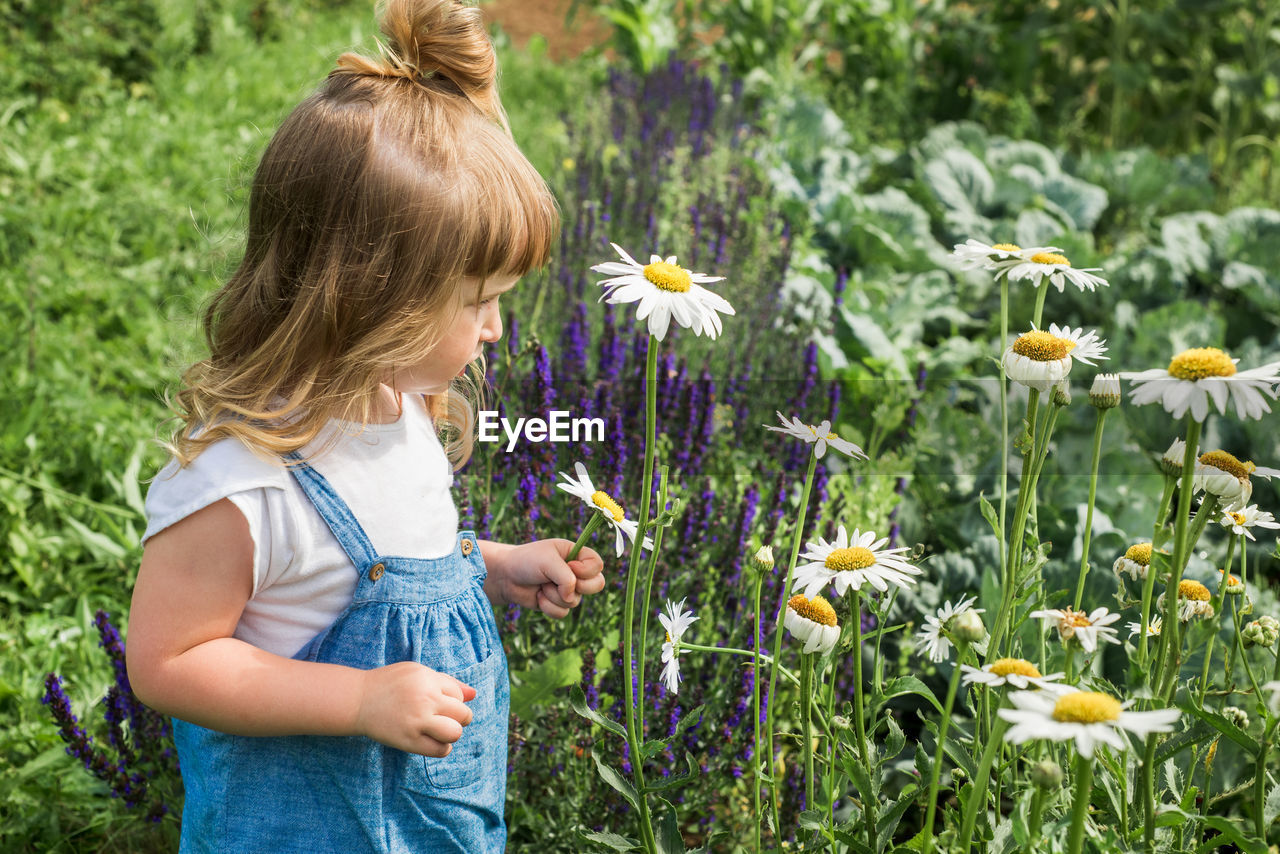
x,y
1050,258
1042,347
1200,362
1238,518
817,609
1189,589
1086,707
1139,554
1020,666
607,504
843,560
668,277
1007,247
1226,462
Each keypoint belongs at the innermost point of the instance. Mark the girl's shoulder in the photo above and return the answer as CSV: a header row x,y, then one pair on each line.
x,y
224,469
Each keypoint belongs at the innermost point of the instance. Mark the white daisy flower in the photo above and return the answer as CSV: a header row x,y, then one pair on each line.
x,y
1134,562
851,561
1041,360
1088,629
1057,268
1153,628
973,254
601,502
1203,374
1087,717
1195,602
814,622
1017,672
1223,475
676,620
664,290
1242,520
933,639
820,437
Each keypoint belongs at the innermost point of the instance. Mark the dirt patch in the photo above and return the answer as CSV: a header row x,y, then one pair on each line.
x,y
521,19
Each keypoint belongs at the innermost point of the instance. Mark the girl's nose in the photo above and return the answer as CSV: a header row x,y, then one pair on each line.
x,y
492,329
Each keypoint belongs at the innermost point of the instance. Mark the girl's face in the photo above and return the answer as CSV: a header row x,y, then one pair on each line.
x,y
478,321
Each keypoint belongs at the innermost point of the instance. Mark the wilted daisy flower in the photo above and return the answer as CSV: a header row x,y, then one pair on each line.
x,y
1200,374
601,502
1264,631
1017,672
1223,475
1087,717
973,254
664,290
820,437
1057,268
1134,562
675,621
852,561
814,622
1105,391
1194,601
1171,462
933,639
1242,520
1153,628
1088,628
1040,360
1235,586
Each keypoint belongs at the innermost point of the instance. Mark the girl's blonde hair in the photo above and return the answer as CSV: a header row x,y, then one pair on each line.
x,y
377,195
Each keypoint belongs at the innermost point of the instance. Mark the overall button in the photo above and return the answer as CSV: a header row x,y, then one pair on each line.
x,y
467,546
375,571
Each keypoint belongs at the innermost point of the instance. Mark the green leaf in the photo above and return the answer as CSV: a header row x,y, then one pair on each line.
x,y
894,741
902,685
659,784
95,543
892,817
1222,725
614,778
1175,744
989,513
532,688
1229,832
1271,807
578,700
668,830
612,840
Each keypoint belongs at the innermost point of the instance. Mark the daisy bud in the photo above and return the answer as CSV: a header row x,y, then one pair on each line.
x,y
1105,391
1264,631
840,722
1171,462
1236,716
1061,394
968,627
1046,774
762,560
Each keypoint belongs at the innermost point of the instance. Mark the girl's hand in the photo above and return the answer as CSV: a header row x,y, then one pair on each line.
x,y
536,575
413,708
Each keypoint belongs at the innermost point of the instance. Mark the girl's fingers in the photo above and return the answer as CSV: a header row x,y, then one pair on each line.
x,y
550,608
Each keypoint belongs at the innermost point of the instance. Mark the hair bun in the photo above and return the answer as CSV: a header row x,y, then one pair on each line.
x,y
435,38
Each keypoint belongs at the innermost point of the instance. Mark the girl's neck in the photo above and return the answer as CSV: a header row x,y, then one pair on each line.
x,y
388,405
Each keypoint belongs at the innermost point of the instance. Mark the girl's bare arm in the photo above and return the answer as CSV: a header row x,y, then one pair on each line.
x,y
195,579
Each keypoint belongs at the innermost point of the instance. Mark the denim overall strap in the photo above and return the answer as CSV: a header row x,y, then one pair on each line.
x,y
335,512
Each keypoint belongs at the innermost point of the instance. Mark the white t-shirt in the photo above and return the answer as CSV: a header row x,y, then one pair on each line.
x,y
395,478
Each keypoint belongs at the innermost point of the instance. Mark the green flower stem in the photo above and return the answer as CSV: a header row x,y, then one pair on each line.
x,y
1004,421
1041,290
592,523
1259,781
648,586
792,677
1037,814
831,748
931,803
877,669
1148,583
1093,492
755,708
1170,673
1219,600
806,722
1013,557
859,723
1179,546
1248,667
978,794
629,608
1080,803
777,636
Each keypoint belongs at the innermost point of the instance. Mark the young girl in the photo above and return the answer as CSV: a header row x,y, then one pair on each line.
x,y
307,609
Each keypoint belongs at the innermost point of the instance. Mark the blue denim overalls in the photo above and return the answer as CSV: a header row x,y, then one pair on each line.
x,y
351,794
